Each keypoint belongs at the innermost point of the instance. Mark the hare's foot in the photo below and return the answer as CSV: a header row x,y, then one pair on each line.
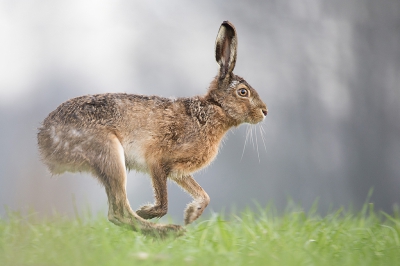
x,y
151,211
194,210
130,221
164,231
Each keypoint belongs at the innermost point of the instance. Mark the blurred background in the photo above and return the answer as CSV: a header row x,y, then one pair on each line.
x,y
329,72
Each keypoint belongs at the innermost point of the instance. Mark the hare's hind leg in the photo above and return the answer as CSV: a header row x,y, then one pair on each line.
x,y
110,169
200,198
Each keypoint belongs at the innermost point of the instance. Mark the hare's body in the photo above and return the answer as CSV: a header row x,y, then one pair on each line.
x,y
183,134
106,134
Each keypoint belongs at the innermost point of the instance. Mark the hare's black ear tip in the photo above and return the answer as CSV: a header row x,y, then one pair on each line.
x,y
227,23
229,26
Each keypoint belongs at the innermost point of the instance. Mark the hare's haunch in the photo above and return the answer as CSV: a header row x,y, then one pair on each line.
x,y
106,134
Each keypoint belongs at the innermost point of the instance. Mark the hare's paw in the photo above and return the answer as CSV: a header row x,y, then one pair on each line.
x,y
194,210
173,229
151,211
164,231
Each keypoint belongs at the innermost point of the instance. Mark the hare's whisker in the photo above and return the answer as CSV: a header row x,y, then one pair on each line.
x,y
252,138
262,137
245,141
262,129
258,154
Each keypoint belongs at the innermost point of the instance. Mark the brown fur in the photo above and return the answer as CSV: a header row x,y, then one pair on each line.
x,y
106,133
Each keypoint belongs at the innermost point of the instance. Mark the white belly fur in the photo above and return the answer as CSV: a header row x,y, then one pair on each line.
x,y
134,156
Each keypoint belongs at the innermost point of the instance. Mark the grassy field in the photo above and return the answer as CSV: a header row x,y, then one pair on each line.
x,y
250,238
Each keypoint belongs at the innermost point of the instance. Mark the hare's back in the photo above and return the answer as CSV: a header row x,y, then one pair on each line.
x,y
102,109
88,110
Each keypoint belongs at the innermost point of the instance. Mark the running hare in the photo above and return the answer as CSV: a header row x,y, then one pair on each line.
x,y
106,134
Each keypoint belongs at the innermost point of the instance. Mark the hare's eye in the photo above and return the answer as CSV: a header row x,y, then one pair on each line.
x,y
243,92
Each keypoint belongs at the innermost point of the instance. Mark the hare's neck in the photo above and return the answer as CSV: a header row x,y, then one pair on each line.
x,y
217,122
219,117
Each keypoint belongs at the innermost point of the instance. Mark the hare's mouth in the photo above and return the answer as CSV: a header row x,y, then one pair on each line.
x,y
256,119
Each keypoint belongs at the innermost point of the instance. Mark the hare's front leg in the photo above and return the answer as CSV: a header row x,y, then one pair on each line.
x,y
110,169
201,198
160,206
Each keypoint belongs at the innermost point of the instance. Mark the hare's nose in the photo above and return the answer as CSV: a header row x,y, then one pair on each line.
x,y
264,111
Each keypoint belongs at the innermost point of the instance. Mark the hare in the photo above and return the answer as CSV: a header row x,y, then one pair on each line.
x,y
106,134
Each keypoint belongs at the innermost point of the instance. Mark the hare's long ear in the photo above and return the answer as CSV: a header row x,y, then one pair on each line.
x,y
225,49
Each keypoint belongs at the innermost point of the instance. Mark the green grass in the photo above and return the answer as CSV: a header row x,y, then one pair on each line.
x,y
249,238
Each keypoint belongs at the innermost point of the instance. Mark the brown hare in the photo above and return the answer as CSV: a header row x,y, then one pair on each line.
x,y
106,134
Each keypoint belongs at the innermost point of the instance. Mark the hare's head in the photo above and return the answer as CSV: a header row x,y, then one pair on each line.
x,y
237,98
